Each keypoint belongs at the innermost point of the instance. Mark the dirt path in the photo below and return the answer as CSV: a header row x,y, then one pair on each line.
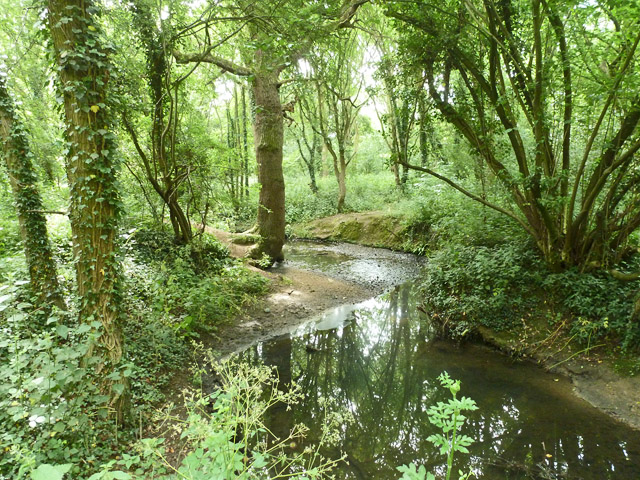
x,y
294,296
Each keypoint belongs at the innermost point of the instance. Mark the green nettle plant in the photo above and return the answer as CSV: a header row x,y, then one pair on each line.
x,y
449,418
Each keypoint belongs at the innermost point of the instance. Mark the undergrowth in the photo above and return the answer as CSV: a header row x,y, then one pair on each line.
x,y
192,288
502,285
53,417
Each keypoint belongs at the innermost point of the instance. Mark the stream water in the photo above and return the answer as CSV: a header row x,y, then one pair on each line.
x,y
378,363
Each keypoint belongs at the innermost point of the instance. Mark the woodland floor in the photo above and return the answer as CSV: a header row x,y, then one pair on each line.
x,y
296,295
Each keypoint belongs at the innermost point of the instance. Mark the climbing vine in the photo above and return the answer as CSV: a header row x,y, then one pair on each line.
x,y
15,151
81,62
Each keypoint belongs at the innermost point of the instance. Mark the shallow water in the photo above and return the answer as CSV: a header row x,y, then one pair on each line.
x,y
379,362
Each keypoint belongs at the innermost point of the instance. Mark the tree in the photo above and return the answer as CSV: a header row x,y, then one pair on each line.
x,y
339,84
547,94
401,103
83,71
14,148
279,34
160,164
308,139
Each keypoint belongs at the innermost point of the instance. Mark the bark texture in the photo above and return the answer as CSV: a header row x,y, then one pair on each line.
x,y
268,131
83,73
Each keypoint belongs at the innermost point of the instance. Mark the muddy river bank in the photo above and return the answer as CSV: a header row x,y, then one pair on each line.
x,y
342,321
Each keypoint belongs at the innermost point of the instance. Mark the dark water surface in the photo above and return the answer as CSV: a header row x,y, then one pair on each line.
x,y
378,363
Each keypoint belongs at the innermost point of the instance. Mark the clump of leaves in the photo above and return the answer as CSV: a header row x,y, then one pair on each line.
x,y
204,254
191,288
51,408
601,304
479,285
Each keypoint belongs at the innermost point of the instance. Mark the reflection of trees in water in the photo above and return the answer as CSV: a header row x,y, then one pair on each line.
x,y
382,368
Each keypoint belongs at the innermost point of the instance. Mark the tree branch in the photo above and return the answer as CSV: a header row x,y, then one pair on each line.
x,y
472,196
206,57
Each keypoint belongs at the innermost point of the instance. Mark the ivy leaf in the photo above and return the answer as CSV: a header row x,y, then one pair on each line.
x,y
62,331
95,108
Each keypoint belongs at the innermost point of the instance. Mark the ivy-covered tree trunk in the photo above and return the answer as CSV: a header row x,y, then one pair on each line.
x,y
269,138
159,166
82,67
33,225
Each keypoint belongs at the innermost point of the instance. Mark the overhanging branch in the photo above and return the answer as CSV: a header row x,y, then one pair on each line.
x,y
206,57
471,195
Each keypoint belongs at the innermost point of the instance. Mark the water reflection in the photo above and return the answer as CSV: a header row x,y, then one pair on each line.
x,y
381,362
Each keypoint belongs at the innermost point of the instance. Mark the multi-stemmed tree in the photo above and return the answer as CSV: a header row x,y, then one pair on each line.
x,y
546,93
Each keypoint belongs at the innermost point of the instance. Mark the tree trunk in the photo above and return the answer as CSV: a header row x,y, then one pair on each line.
x,y
161,127
33,225
424,146
312,175
268,132
342,189
83,72
245,145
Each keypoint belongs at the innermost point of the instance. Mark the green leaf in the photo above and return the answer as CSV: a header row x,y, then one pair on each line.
x,y
118,475
62,331
50,472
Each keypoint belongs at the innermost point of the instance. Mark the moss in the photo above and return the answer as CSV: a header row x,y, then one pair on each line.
x,y
350,231
245,239
377,229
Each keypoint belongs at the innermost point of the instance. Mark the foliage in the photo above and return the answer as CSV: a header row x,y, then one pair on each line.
x,y
215,420
601,304
189,287
51,409
478,285
449,419
521,105
498,285
366,192
225,435
205,255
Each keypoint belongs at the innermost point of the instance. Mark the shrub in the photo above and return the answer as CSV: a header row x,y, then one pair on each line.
x,y
190,288
51,411
470,285
601,304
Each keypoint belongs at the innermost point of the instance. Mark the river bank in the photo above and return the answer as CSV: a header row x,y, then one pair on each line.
x,y
297,294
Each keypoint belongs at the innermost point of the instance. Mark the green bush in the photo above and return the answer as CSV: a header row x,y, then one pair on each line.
x,y
476,285
10,240
190,288
205,253
601,304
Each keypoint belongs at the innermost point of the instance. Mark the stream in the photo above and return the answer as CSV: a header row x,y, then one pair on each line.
x,y
377,364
